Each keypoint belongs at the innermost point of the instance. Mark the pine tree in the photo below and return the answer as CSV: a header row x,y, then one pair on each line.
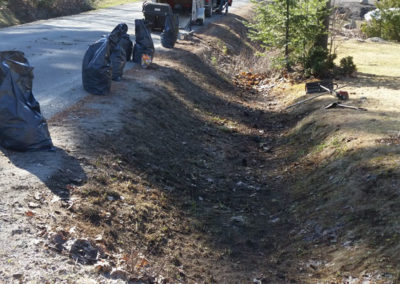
x,y
293,27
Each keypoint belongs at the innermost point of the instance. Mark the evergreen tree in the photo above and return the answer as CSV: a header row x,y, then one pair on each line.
x,y
293,27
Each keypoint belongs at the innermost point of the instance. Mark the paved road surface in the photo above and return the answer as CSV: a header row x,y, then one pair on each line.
x,y
56,47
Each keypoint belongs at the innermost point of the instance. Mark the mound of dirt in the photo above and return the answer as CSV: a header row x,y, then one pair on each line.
x,y
24,11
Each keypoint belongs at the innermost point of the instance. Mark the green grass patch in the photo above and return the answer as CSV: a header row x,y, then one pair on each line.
x,y
110,3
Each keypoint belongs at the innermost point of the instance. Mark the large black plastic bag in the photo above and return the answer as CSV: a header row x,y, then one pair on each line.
x,y
143,50
169,36
96,68
22,126
96,65
118,53
127,45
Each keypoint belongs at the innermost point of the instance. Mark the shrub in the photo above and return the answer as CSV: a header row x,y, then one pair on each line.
x,y
319,63
386,23
347,66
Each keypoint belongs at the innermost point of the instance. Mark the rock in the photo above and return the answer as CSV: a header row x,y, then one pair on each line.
x,y
260,280
86,281
375,39
33,205
37,196
275,220
364,2
240,220
103,267
353,24
84,252
118,273
17,275
17,232
350,26
98,238
58,240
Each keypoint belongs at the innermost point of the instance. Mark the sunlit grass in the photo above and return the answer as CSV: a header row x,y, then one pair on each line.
x,y
110,3
371,57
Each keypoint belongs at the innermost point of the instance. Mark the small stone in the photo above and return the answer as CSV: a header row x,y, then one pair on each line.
x,y
16,232
103,267
18,275
238,220
37,196
275,220
33,205
86,281
118,273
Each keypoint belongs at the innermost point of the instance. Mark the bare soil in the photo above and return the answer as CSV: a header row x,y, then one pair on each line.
x,y
182,175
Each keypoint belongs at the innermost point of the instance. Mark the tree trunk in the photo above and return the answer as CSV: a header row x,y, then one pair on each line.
x,y
287,36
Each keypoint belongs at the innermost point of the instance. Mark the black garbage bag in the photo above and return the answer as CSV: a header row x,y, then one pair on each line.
x,y
22,126
96,68
143,51
96,65
127,45
118,53
169,36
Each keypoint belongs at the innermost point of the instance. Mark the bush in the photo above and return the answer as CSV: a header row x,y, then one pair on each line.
x,y
347,66
319,63
372,29
387,22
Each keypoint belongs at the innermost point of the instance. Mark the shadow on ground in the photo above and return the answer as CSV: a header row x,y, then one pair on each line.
x,y
56,169
372,80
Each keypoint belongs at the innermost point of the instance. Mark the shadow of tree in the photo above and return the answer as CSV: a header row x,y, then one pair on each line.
x,y
372,80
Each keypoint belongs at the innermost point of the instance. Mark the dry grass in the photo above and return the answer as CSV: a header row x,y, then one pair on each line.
x,y
110,3
347,164
371,57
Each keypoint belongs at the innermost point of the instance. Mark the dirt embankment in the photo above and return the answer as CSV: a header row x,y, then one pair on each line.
x,y
14,12
188,174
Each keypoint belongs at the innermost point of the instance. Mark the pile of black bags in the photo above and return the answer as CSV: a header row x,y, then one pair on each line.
x,y
105,60
22,126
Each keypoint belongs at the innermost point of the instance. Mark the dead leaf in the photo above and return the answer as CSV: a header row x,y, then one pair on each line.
x,y
142,263
29,213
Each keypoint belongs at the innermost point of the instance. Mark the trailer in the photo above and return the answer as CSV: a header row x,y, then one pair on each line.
x,y
188,12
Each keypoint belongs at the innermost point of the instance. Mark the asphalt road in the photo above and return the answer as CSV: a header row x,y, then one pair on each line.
x,y
55,49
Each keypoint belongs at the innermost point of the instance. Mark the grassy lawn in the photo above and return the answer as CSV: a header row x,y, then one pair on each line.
x,y
373,58
110,3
